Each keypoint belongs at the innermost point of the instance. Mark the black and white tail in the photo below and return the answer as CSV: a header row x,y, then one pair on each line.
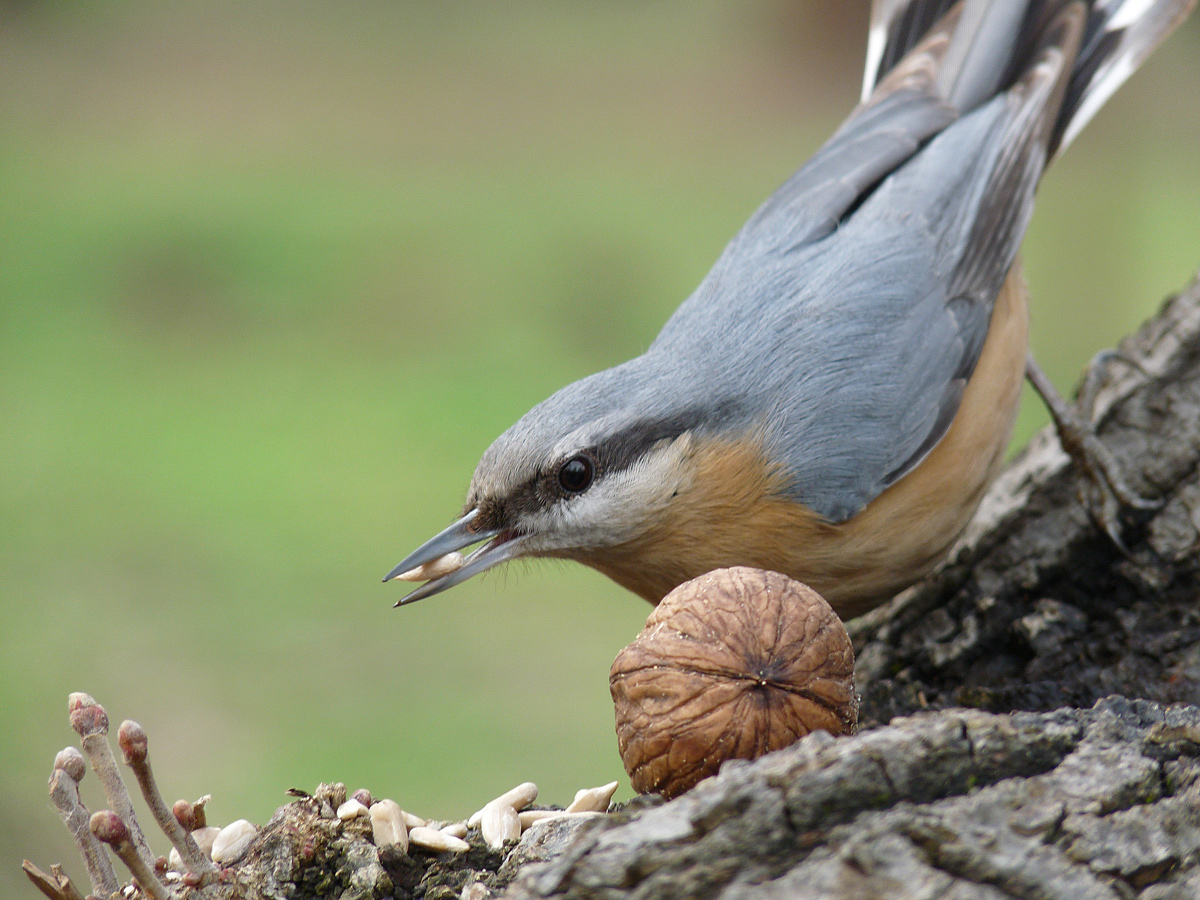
x,y
988,44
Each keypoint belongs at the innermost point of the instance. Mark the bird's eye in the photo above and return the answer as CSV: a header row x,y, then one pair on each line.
x,y
575,475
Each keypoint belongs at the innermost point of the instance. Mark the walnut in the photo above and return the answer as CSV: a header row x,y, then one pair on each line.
x,y
731,665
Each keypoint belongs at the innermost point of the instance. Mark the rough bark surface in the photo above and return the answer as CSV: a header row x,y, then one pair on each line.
x,y
1036,615
960,804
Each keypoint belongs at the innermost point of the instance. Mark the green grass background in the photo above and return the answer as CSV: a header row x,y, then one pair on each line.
x,y
273,275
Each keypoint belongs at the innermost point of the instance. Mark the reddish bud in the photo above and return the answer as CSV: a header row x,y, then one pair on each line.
x,y
87,716
107,826
184,815
133,743
71,762
363,796
161,864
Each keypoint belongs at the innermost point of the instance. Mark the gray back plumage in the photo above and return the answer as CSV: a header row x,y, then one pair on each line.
x,y
853,324
843,321
854,349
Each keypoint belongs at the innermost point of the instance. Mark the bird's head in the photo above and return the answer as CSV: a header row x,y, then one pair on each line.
x,y
594,466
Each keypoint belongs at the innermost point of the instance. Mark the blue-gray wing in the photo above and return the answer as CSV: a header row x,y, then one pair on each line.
x,y
854,348
887,129
891,317
868,147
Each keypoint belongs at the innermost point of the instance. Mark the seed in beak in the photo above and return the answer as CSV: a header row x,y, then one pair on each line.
x,y
435,568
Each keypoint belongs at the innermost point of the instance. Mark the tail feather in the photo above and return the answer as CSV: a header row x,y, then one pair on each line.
x,y
993,43
980,51
896,27
1121,34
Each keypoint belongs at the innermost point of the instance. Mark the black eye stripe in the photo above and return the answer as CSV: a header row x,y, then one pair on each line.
x,y
614,453
625,447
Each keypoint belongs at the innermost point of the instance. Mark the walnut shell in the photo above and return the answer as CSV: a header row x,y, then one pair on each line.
x,y
731,665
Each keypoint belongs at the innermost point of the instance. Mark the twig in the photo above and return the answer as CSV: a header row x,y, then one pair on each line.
x,y
89,719
68,771
43,882
134,744
110,828
69,890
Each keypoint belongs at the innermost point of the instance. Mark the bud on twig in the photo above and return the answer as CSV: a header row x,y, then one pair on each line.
x,y
91,721
64,792
135,748
182,811
71,761
108,827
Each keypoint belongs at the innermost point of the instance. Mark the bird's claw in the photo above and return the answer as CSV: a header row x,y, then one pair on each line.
x,y
1097,375
1103,490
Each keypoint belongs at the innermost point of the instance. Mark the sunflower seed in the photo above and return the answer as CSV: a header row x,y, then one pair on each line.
x,y
532,817
518,798
387,825
499,824
437,840
593,799
231,841
352,809
204,838
529,816
435,568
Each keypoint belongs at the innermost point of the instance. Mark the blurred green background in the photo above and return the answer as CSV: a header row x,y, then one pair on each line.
x,y
273,275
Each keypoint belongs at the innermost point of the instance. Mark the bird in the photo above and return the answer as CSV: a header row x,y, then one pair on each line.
x,y
836,396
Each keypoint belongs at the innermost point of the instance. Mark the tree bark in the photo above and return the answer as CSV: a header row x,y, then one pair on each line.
x,y
1038,608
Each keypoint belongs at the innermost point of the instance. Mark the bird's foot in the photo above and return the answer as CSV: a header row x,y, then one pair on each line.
x,y
1104,490
1097,376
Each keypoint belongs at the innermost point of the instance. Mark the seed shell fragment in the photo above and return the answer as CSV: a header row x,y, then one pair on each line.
x,y
593,799
432,839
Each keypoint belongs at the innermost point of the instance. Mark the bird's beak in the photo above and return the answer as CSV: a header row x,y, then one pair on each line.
x,y
501,545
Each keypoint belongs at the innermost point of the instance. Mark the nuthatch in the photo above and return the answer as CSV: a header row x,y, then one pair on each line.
x,y
835,397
